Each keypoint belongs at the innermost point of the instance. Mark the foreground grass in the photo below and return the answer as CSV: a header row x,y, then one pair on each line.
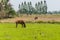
x,y
33,31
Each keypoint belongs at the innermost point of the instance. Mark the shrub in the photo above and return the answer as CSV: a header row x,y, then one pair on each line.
x,y
28,21
39,22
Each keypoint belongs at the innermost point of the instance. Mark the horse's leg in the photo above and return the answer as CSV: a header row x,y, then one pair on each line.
x,y
16,25
24,25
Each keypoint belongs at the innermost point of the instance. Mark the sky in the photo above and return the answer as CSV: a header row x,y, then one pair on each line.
x,y
53,5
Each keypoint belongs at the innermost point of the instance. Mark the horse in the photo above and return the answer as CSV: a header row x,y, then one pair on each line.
x,y
35,18
20,22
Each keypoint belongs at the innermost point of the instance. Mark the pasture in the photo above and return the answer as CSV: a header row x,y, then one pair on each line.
x,y
33,31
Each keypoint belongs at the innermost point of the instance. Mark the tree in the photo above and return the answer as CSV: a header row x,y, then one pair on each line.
x,y
30,8
45,7
41,7
25,7
36,7
9,10
21,8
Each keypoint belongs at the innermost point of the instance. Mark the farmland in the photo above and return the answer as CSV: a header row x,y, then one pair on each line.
x,y
33,31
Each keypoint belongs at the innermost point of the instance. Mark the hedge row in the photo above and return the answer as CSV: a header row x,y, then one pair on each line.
x,y
52,22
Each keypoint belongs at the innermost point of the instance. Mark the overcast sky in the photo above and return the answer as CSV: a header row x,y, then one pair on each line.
x,y
53,5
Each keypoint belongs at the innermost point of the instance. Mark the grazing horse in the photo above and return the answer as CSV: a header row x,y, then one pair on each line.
x,y
35,18
20,22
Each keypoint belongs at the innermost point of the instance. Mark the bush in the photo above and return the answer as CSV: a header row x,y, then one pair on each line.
x,y
48,21
52,22
28,21
39,22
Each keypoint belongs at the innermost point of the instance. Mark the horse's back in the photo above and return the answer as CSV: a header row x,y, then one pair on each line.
x,y
19,21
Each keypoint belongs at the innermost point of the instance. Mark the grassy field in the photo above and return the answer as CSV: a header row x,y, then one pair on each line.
x,y
33,31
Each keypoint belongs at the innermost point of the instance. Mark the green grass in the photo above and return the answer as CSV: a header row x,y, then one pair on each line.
x,y
33,31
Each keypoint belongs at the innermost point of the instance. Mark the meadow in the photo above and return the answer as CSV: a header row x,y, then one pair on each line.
x,y
33,31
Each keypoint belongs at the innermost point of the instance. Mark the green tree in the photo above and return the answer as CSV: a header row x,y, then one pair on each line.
x,y
45,7
30,8
36,7
8,9
41,7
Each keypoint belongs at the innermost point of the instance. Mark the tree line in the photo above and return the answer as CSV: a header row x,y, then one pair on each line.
x,y
27,8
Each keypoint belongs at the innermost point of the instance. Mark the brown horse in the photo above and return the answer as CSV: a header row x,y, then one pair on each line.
x,y
35,18
20,22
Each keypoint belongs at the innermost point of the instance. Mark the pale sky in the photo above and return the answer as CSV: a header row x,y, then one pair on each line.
x,y
53,5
